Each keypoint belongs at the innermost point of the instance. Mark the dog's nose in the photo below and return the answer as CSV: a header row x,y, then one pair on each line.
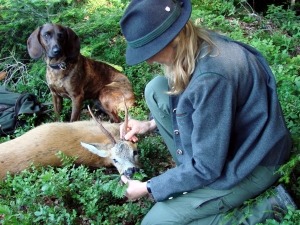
x,y
56,50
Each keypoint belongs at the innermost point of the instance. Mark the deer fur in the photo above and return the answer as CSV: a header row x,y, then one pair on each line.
x,y
40,145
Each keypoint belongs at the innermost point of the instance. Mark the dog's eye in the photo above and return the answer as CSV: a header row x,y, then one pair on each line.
x,y
46,35
60,35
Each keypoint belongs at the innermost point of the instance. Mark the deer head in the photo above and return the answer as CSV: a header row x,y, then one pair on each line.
x,y
124,154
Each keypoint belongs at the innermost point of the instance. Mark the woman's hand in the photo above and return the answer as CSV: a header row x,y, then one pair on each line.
x,y
136,127
136,189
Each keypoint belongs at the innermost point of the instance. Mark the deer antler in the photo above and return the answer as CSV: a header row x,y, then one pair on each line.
x,y
106,132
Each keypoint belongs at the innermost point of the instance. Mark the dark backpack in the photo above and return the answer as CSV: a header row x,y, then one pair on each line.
x,y
12,105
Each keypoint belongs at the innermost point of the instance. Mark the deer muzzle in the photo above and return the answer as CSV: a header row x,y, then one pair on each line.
x,y
131,171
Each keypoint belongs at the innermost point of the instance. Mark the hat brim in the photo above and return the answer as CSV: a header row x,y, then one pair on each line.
x,y
141,54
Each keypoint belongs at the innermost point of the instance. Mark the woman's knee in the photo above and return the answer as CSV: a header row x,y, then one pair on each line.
x,y
160,214
156,95
157,84
156,87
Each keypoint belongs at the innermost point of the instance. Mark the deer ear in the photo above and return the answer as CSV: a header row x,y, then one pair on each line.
x,y
94,148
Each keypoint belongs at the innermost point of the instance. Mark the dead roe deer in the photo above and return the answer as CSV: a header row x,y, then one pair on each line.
x,y
40,145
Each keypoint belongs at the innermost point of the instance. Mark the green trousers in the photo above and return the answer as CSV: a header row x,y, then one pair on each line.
x,y
205,206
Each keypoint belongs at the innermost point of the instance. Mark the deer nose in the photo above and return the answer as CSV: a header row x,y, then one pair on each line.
x,y
130,171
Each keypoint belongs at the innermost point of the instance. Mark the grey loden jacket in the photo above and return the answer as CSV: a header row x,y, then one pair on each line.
x,y
229,121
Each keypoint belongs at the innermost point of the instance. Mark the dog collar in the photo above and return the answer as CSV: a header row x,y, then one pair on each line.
x,y
59,66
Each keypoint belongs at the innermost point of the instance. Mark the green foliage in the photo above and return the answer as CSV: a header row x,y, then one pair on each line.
x,y
287,75
78,195
153,147
66,195
287,20
291,218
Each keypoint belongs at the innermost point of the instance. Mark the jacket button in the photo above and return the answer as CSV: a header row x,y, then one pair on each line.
x,y
174,110
179,151
176,132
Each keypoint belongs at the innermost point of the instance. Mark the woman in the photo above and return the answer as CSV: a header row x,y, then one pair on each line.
x,y
216,109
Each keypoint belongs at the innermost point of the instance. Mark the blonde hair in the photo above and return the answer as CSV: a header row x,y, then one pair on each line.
x,y
187,47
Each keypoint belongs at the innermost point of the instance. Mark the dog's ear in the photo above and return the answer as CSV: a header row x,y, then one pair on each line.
x,y
34,47
73,44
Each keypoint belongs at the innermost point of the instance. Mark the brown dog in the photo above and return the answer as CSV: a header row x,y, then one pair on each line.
x,y
71,75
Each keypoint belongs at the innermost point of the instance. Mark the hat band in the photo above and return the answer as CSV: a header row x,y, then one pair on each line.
x,y
159,30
